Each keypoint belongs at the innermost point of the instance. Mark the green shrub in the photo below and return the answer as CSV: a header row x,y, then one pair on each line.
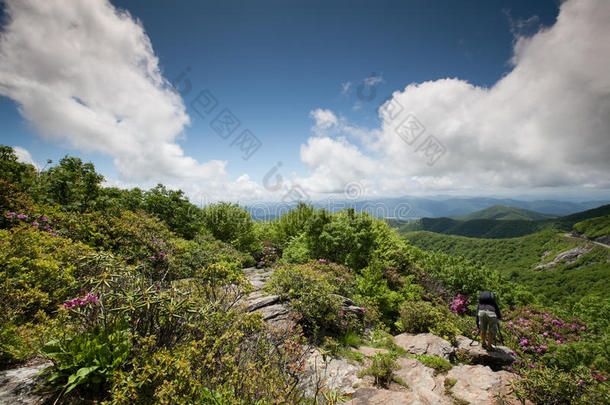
x,y
88,360
284,229
373,285
189,256
22,342
422,317
345,237
382,369
569,356
232,224
233,360
297,251
72,184
549,385
439,364
38,271
594,309
351,339
312,291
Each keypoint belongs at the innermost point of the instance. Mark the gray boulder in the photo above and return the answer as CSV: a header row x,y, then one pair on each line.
x,y
497,358
424,343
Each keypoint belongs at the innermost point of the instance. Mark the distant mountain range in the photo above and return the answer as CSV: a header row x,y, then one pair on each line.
x,y
410,208
501,212
497,228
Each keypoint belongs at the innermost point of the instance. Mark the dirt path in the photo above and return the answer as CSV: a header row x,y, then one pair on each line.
x,y
569,235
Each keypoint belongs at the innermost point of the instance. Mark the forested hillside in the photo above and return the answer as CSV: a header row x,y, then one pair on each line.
x,y
597,229
505,213
136,296
498,228
522,260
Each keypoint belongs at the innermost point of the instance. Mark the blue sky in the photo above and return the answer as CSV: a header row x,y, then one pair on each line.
x,y
274,64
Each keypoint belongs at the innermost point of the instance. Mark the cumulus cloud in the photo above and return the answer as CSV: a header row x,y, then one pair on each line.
x,y
324,120
333,163
85,74
24,156
546,124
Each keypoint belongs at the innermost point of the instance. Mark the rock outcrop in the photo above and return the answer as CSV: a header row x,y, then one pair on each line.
x,y
330,373
473,384
425,343
274,312
475,353
269,306
18,386
569,256
480,385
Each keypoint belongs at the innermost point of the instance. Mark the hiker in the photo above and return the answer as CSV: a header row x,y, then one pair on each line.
x,y
488,315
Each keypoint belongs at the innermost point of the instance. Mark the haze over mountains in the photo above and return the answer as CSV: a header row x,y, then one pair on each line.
x,y
501,212
410,208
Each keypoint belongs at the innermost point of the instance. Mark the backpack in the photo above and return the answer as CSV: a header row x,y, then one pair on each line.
x,y
487,297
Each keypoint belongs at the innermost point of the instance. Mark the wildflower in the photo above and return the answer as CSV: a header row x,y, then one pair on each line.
x,y
22,216
598,377
11,214
523,342
44,219
363,309
35,223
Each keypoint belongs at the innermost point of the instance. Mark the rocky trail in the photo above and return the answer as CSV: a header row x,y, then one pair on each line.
x,y
479,380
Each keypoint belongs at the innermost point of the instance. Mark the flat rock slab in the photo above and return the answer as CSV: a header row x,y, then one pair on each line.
x,y
421,380
260,302
497,358
479,385
17,386
336,374
274,312
424,343
369,351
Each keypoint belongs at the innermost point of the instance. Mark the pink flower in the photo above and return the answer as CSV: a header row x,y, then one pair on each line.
x,y
11,214
35,223
22,216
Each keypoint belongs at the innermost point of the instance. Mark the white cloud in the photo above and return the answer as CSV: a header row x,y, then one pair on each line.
x,y
85,75
546,124
372,80
325,120
345,87
24,156
333,163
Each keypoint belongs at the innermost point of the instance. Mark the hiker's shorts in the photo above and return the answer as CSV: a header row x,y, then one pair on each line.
x,y
488,321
